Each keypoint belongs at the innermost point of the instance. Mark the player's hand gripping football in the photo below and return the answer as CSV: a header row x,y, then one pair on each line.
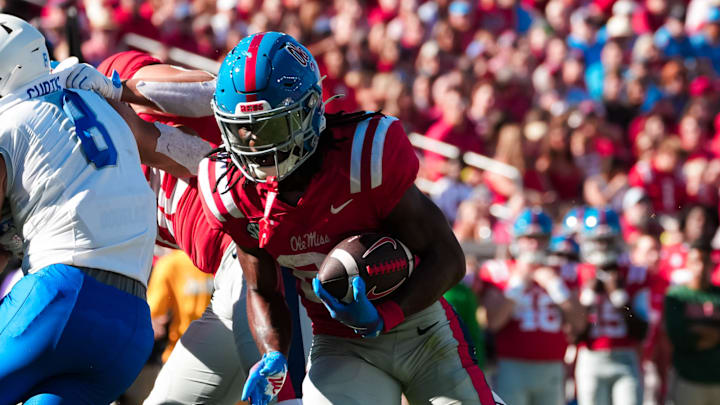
x,y
266,379
85,77
360,314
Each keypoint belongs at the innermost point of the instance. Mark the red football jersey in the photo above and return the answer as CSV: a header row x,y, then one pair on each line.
x,y
666,190
359,184
182,223
535,330
608,329
181,220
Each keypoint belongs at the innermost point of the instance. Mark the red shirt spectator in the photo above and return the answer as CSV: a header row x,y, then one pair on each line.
x,y
644,22
136,21
660,178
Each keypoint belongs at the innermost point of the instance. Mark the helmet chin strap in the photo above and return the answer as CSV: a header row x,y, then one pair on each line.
x,y
264,172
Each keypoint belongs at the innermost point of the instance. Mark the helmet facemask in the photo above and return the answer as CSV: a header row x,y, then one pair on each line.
x,y
531,248
271,142
601,252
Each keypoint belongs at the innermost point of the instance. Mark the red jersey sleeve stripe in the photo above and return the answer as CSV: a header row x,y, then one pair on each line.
x,y
204,180
356,156
163,241
226,198
178,192
376,154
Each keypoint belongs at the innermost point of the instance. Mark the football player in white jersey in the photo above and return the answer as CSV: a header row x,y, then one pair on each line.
x,y
76,328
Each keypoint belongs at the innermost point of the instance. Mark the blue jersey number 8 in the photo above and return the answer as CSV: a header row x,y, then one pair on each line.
x,y
94,137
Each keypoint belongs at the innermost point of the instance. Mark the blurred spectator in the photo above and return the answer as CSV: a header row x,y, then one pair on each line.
x,y
606,187
483,111
133,16
556,161
671,38
637,218
650,16
696,223
454,128
512,150
661,178
707,42
693,324
611,61
334,66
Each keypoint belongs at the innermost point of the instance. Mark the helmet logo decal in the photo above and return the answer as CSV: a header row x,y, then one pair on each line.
x,y
298,53
251,107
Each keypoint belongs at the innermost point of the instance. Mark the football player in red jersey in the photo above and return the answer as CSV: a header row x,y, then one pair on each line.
x,y
211,361
289,184
528,303
616,299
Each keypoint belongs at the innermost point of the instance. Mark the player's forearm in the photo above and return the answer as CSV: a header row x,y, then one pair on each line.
x,y
270,322
439,270
574,314
132,96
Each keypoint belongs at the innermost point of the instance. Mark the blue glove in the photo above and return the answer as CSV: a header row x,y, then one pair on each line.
x,y
360,314
266,379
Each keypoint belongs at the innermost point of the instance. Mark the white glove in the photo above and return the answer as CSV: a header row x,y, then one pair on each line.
x,y
85,77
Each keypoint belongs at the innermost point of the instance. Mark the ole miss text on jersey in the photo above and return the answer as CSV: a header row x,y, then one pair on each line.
x,y
359,183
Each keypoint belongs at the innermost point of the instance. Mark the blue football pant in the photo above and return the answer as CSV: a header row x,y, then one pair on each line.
x,y
66,338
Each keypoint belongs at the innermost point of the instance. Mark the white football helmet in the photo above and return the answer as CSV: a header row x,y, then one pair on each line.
x,y
23,54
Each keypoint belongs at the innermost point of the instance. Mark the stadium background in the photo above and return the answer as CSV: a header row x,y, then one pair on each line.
x,y
510,103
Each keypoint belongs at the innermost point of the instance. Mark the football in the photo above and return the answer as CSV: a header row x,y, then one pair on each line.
x,y
383,262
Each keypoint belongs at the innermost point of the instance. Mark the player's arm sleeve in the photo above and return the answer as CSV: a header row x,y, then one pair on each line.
x,y
159,297
171,89
393,166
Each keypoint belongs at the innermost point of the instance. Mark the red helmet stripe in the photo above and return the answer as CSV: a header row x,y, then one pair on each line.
x,y
250,63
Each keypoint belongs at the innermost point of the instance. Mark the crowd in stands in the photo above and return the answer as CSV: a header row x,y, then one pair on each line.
x,y
596,103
